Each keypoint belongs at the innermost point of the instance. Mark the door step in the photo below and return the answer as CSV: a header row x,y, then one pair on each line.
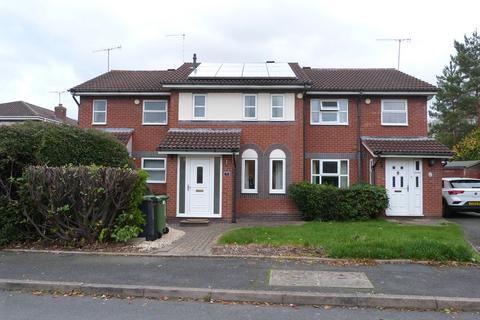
x,y
194,222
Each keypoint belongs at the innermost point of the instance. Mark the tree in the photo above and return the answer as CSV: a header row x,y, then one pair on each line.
x,y
469,147
457,106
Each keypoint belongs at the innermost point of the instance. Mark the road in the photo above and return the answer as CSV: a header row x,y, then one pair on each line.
x,y
19,306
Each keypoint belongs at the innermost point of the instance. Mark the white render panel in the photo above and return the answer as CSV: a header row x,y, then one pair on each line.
x,y
228,106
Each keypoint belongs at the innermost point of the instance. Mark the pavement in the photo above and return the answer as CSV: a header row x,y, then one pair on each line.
x,y
18,306
241,279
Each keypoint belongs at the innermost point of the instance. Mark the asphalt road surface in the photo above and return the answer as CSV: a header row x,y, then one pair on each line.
x,y
23,306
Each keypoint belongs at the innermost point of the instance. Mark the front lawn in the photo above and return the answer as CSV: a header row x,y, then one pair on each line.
x,y
375,239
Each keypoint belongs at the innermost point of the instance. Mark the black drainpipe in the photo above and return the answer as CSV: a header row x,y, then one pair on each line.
x,y
234,202
359,141
75,99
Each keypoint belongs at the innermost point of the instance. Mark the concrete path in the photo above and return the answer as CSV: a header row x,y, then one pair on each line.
x,y
14,306
237,274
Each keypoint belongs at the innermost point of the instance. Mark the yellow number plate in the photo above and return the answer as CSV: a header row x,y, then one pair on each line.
x,y
474,203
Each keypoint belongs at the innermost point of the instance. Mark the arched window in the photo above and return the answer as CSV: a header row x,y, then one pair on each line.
x,y
249,171
277,171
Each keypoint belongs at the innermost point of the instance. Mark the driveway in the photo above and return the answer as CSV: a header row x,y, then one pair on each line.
x,y
470,223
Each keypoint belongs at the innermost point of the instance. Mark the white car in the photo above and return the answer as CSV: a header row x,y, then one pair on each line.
x,y
460,194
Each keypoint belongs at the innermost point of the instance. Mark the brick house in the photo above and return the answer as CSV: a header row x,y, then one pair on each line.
x,y
226,140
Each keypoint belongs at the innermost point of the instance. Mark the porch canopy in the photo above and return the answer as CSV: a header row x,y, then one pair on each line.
x,y
200,140
424,147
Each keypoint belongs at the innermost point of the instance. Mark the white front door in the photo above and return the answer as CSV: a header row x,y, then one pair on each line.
x,y
404,187
199,187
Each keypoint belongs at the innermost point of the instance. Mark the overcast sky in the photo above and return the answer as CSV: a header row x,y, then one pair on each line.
x,y
47,45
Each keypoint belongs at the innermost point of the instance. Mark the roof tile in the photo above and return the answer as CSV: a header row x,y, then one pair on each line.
x,y
200,139
419,146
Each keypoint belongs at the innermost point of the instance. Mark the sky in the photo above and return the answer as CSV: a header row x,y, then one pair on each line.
x,y
48,45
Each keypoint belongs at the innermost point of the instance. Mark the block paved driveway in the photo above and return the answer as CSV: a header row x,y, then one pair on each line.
x,y
470,223
199,239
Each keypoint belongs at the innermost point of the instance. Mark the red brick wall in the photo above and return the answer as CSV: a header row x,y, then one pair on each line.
x,y
432,188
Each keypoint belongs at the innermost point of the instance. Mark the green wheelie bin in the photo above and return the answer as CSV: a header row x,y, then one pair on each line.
x,y
161,215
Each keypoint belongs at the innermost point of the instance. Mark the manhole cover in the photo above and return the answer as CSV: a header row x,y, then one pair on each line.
x,y
327,279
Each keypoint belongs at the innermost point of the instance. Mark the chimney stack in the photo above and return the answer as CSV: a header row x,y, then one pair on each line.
x,y
60,112
194,61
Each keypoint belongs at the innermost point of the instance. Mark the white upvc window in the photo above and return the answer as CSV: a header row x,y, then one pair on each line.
x,y
333,172
99,115
394,112
155,112
249,171
329,112
278,107
277,171
156,169
199,106
250,106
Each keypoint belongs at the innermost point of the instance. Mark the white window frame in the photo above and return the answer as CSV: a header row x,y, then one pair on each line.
x,y
394,124
339,174
155,169
328,123
193,107
271,107
155,111
249,158
93,112
245,107
284,173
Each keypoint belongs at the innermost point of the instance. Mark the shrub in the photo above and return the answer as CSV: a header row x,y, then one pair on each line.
x,y
40,143
82,204
469,147
326,202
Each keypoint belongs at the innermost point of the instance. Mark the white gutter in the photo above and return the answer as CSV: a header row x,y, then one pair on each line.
x,y
121,93
22,118
386,93
213,86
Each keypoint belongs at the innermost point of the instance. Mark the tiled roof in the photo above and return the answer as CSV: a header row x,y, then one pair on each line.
x,y
208,140
419,146
365,80
310,78
22,109
121,134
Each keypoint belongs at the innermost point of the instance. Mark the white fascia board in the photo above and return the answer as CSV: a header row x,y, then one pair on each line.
x,y
385,93
196,153
210,86
22,118
121,93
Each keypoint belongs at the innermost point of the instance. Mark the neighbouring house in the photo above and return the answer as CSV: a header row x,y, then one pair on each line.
x,y
462,169
18,111
226,140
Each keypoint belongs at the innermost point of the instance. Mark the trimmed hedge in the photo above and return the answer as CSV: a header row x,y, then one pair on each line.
x,y
82,204
41,143
326,202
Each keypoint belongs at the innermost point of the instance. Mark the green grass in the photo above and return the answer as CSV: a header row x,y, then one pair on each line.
x,y
376,239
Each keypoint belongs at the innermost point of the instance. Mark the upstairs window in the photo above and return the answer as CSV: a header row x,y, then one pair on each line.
x,y
156,169
199,106
250,107
333,172
329,112
99,112
249,171
394,113
155,112
278,104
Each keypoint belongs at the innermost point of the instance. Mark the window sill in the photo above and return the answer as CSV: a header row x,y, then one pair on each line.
x,y
249,192
277,192
395,124
156,182
154,124
99,123
329,124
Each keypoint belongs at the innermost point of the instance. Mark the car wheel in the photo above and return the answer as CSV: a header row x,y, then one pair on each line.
x,y
447,212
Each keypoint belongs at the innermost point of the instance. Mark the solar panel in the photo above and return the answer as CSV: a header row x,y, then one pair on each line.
x,y
243,70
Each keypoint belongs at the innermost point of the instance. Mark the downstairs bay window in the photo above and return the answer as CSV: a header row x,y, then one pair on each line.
x,y
333,172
